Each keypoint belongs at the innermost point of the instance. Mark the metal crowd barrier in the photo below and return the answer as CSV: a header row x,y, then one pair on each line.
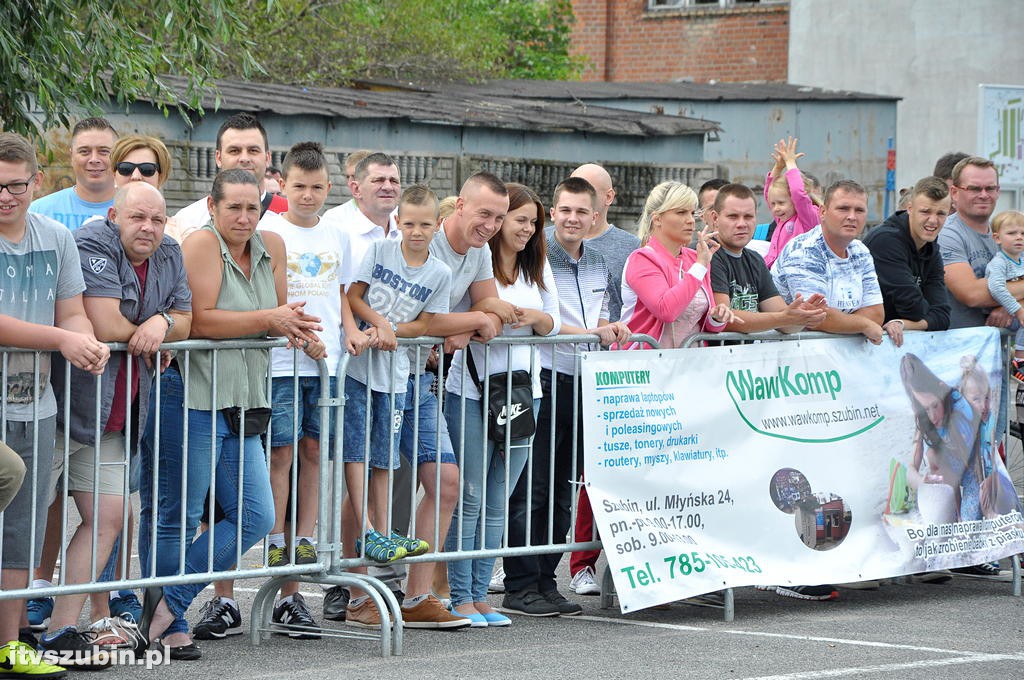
x,y
331,567
334,572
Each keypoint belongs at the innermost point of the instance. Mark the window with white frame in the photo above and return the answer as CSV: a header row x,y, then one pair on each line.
x,y
707,4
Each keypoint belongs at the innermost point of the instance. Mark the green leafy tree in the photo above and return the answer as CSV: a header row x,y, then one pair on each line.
x,y
60,55
331,43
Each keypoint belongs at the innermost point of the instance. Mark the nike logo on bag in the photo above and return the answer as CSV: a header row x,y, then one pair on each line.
x,y
517,410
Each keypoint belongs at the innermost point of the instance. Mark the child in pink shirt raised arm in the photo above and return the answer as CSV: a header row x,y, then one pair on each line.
x,y
792,203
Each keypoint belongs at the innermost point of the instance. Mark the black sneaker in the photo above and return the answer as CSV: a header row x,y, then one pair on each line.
x,y
529,603
986,571
823,592
28,636
335,603
217,620
296,620
565,607
75,650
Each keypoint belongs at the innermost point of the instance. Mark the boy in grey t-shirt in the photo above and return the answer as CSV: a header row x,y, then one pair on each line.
x,y
397,289
40,309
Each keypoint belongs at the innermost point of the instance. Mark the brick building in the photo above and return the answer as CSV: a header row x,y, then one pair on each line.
x,y
698,40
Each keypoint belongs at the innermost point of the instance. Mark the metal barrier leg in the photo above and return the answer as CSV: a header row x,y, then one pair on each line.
x,y
728,606
390,615
259,620
607,589
1015,566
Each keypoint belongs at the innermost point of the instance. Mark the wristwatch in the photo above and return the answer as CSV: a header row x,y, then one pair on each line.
x,y
394,327
170,322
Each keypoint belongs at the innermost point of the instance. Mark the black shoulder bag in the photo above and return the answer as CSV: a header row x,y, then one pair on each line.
x,y
510,411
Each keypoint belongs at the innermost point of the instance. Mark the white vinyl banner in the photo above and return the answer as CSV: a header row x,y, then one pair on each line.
x,y
799,462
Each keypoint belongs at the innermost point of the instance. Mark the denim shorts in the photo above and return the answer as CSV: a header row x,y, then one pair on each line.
x,y
426,437
285,420
381,420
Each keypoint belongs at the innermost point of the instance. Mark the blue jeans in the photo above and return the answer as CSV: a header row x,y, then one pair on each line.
x,y
256,514
483,474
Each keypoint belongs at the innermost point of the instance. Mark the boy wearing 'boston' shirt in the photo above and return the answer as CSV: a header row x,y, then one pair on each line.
x,y
398,287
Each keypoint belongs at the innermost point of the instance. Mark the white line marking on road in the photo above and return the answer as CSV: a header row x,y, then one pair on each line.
x,y
890,668
787,636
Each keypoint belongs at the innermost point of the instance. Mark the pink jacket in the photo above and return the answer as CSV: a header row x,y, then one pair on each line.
x,y
805,219
652,273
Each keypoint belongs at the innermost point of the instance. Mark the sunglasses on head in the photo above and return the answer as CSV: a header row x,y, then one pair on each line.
x,y
145,169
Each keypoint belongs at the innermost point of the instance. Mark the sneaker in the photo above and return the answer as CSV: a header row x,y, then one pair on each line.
x,y
413,546
18,659
1017,370
113,632
39,611
335,603
294,616
28,636
75,649
126,606
527,602
565,607
217,620
430,613
986,571
364,615
497,584
823,592
276,556
379,547
305,552
584,583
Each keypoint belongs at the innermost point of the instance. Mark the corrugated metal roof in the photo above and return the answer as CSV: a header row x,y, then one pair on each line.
x,y
446,107
679,91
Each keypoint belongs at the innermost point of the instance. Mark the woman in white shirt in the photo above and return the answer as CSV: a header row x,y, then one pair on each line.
x,y
525,280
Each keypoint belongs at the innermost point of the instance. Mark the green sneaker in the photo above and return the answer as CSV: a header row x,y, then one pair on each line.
x,y
380,548
413,546
276,556
19,660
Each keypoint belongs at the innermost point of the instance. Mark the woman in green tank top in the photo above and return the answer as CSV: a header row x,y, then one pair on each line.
x,y
239,290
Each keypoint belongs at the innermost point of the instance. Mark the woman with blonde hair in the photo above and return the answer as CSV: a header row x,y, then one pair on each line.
x,y
140,158
666,285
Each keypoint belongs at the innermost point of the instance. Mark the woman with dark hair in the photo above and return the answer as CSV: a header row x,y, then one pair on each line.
x,y
946,431
239,290
524,279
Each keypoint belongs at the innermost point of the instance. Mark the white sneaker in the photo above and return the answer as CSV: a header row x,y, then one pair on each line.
x,y
584,583
497,584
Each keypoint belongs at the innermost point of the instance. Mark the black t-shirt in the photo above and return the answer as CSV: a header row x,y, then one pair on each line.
x,y
744,278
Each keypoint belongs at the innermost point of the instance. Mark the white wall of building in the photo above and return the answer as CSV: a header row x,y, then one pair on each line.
x,y
933,53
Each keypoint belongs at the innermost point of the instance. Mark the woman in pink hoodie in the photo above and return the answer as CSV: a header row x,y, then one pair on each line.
x,y
667,286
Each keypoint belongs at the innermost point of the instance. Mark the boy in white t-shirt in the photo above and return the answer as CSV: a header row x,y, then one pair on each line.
x,y
398,288
319,269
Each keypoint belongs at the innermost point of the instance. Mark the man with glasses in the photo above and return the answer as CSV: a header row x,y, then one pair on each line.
x,y
967,246
92,140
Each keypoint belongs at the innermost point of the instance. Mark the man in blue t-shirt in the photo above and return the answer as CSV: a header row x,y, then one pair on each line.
x,y
92,140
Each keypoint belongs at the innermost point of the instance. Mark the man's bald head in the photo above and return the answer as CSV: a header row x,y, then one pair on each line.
x,y
598,178
134,191
140,213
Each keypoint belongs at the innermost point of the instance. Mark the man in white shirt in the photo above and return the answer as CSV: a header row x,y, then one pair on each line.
x,y
241,143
